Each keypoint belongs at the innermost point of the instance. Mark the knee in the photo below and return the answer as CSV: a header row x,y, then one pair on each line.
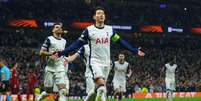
x,y
61,86
99,81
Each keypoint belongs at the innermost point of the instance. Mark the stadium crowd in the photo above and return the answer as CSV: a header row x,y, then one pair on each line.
x,y
22,47
143,13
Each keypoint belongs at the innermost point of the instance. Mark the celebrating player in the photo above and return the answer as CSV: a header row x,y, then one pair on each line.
x,y
99,36
170,78
83,52
55,70
121,71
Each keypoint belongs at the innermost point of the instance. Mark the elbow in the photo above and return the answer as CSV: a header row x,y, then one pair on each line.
x,y
41,53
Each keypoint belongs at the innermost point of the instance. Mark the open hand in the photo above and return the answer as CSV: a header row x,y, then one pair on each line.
x,y
140,53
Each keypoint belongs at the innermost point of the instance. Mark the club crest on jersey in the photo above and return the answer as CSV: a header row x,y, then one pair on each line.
x,y
107,33
102,41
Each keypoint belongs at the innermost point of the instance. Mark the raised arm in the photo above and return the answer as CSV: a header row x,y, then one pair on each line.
x,y
117,39
82,40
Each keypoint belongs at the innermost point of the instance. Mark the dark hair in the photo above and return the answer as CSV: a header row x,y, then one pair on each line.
x,y
122,52
98,8
56,23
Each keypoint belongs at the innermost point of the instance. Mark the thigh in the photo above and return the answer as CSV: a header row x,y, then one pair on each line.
x,y
168,84
97,71
60,78
67,83
116,85
49,79
172,85
89,84
123,87
106,71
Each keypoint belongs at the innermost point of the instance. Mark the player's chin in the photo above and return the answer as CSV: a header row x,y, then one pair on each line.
x,y
60,32
101,20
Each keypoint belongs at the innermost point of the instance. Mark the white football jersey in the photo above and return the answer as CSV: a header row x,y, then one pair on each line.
x,y
98,40
53,44
84,53
170,71
120,71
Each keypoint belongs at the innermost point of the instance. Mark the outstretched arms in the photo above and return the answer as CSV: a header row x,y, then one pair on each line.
x,y
116,38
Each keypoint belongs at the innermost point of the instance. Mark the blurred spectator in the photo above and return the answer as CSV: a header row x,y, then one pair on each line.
x,y
32,82
14,81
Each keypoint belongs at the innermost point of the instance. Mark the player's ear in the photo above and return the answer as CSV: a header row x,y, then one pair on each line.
x,y
94,17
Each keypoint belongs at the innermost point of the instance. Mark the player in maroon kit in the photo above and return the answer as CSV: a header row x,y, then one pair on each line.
x,y
14,81
32,81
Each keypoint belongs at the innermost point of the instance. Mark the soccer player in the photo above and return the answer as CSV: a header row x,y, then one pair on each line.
x,y
170,78
5,78
99,36
14,81
32,82
83,52
55,70
121,71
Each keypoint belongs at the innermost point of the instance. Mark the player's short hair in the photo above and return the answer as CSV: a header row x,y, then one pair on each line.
x,y
56,23
98,8
123,52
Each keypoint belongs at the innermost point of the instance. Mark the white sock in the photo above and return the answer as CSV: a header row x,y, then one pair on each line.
x,y
101,91
171,93
62,95
43,94
103,98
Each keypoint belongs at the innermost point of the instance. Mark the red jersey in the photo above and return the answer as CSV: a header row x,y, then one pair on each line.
x,y
32,79
14,76
14,81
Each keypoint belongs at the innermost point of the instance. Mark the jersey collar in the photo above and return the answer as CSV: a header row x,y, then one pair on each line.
x,y
56,37
99,27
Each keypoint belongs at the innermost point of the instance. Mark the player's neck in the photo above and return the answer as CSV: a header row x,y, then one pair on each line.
x,y
171,64
57,36
121,61
99,24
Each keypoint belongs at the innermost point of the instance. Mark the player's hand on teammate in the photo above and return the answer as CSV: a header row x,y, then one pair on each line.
x,y
65,61
54,56
140,52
